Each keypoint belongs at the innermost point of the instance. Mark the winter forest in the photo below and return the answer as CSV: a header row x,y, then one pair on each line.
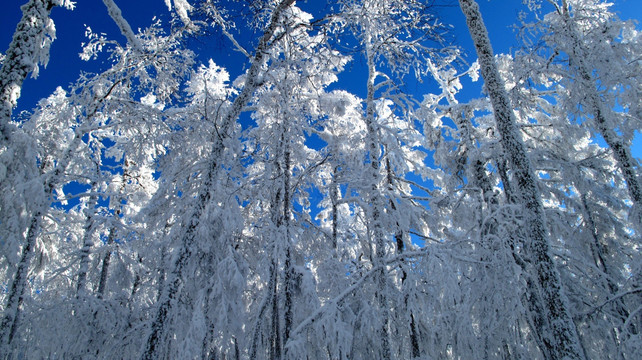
x,y
167,207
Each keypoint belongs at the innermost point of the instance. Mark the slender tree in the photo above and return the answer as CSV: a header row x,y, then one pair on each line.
x,y
593,50
557,330
183,257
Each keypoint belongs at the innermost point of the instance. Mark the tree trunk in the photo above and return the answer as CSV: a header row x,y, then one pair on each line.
x,y
378,233
87,242
22,58
288,280
597,251
559,333
19,282
184,256
621,152
104,269
16,293
334,198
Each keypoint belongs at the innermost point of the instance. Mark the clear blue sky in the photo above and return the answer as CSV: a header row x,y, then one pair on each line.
x,y
65,65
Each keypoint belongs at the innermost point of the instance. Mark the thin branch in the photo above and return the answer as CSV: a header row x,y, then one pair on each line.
x,y
609,300
339,298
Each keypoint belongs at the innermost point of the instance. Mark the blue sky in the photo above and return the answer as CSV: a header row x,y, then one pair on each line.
x,y
65,64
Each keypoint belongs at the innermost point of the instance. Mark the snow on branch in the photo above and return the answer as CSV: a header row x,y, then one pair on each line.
x,y
123,25
608,301
339,298
218,20
29,48
182,8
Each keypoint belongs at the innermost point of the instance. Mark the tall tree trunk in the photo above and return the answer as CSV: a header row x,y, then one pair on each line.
x,y
373,147
184,254
488,228
19,282
288,280
334,198
399,241
597,251
531,299
559,333
275,331
87,241
16,292
626,163
21,58
104,269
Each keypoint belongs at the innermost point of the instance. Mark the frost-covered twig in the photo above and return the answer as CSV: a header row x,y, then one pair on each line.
x,y
610,300
339,298
218,19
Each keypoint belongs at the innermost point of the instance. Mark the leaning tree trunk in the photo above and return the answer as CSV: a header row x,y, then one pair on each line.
x,y
22,57
183,257
558,332
621,152
18,286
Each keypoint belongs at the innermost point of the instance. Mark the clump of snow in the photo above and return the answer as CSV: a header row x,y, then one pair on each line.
x,y
182,8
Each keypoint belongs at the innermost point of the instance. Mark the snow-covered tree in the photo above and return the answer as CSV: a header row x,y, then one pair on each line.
x,y
96,112
583,83
28,50
554,326
309,205
206,221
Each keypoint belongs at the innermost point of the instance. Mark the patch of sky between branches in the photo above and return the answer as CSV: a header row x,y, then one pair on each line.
x,y
636,146
314,141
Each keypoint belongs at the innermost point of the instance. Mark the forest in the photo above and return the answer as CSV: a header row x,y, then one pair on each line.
x,y
170,207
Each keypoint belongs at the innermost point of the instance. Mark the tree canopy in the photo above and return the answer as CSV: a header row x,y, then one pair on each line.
x,y
172,205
